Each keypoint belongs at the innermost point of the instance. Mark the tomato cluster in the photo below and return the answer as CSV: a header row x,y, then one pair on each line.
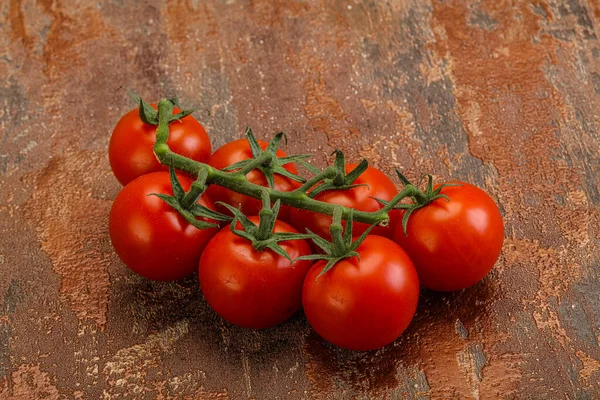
x,y
258,269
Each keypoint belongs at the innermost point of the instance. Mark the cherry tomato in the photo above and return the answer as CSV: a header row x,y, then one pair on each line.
x,y
239,150
151,237
455,243
249,288
366,303
377,184
131,147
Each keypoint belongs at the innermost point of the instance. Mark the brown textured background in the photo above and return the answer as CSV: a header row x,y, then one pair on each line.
x,y
504,94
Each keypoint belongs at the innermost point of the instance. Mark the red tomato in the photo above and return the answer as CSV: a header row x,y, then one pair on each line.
x,y
363,304
455,243
131,147
252,289
239,150
359,198
152,238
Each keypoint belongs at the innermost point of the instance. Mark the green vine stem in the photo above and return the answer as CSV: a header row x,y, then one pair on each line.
x,y
196,190
237,181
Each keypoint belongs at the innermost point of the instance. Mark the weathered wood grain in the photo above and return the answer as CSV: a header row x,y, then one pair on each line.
x,y
501,93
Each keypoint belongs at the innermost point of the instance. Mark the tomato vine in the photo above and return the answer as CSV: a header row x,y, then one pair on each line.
x,y
237,181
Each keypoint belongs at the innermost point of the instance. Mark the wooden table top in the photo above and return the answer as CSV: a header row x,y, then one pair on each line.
x,y
501,94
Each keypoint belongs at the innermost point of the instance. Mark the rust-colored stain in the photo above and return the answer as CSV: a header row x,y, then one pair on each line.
x,y
17,23
324,112
500,93
71,225
28,382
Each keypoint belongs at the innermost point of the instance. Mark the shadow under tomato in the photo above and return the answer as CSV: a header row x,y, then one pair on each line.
x,y
467,305
399,364
225,352
228,353
147,307
153,306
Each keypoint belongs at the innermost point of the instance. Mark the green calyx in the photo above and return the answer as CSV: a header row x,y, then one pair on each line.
x,y
342,245
266,161
419,198
186,203
340,180
149,115
262,236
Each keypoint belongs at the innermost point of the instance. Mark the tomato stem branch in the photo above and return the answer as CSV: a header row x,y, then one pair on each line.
x,y
408,191
198,187
263,159
327,173
336,232
267,217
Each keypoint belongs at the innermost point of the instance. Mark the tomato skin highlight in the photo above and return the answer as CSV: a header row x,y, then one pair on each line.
x,y
359,198
151,237
239,150
455,243
249,288
131,147
363,304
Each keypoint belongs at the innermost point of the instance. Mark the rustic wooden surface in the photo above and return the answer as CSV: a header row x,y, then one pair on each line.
x,y
504,94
